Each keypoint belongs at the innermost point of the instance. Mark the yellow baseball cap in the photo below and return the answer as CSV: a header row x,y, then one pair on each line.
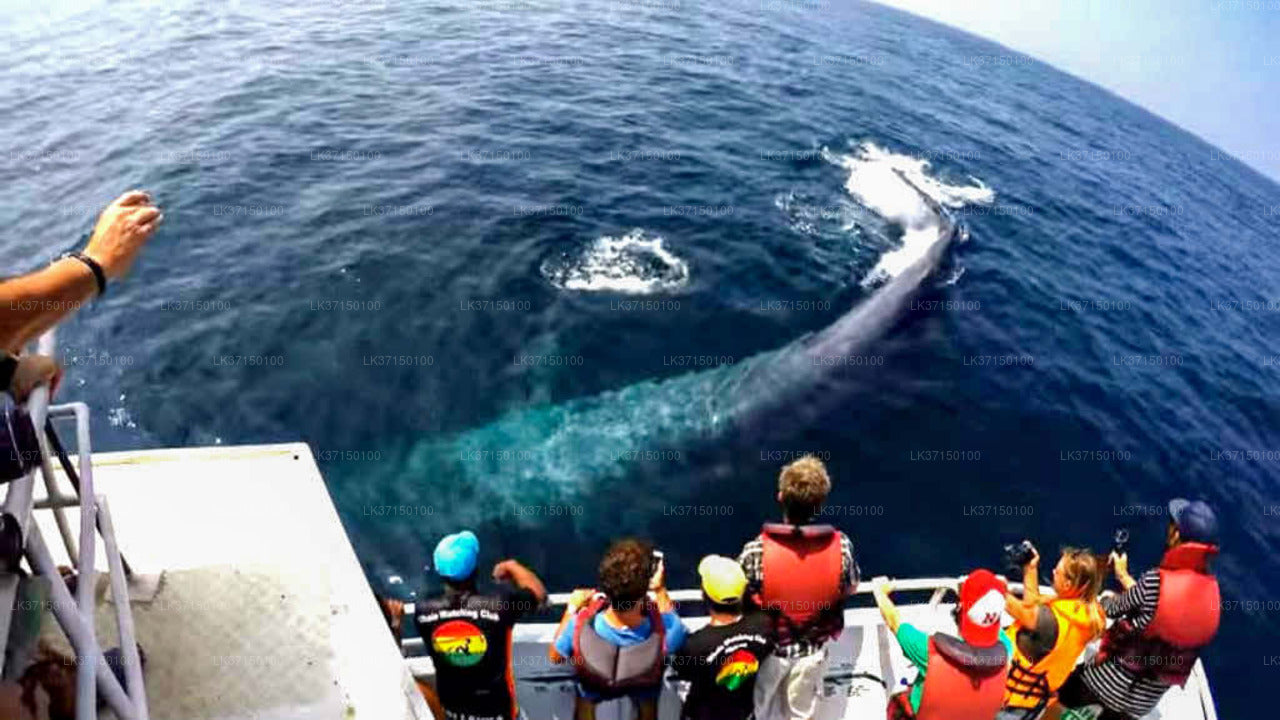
x,y
722,579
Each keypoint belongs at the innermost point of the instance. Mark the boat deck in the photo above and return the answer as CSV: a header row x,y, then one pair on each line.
x,y
250,603
247,596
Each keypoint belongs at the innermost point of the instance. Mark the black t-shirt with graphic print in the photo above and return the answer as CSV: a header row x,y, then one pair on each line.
x,y
721,662
468,636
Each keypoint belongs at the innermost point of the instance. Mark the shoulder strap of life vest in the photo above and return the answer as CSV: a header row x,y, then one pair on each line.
x,y
802,567
1189,556
590,652
963,681
657,627
1189,608
1032,685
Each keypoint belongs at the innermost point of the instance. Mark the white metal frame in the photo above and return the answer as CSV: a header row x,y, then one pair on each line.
x,y
75,615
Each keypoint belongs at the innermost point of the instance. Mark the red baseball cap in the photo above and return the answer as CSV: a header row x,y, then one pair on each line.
x,y
981,608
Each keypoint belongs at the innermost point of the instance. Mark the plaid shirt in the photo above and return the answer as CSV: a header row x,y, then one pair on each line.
x,y
752,562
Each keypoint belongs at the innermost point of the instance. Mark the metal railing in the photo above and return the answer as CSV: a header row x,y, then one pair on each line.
x,y
939,587
415,648
75,615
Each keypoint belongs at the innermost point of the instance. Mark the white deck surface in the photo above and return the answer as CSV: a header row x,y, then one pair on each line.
x,y
261,611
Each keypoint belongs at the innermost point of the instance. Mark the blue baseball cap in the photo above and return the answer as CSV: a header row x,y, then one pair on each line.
x,y
455,556
1195,521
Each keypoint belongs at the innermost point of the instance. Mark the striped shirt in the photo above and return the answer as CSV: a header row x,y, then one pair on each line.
x,y
1120,688
752,562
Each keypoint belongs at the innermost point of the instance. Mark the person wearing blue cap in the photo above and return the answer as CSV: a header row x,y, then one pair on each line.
x,y
468,634
1163,620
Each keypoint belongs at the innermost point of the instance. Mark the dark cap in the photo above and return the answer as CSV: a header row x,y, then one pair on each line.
x,y
1195,521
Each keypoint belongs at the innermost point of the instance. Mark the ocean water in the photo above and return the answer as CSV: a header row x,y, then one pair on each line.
x,y
522,265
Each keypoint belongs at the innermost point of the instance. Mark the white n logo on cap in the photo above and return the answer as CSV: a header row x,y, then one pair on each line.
x,y
988,610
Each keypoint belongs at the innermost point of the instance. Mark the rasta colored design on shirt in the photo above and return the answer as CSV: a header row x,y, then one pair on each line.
x,y
739,668
460,643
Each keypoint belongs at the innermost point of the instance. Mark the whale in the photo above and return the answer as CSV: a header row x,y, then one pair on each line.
x,y
546,459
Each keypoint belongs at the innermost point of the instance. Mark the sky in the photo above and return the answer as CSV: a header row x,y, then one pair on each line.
x,y
1210,66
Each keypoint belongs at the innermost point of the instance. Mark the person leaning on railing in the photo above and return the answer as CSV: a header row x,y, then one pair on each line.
x,y
617,640
468,633
721,659
37,301
957,678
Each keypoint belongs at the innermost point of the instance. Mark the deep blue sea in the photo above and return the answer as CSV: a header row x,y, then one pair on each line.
x,y
514,265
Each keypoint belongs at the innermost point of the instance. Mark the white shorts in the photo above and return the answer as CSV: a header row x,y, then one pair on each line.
x,y
789,688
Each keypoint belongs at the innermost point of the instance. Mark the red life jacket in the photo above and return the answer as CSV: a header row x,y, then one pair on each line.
x,y
963,681
802,568
612,671
1187,615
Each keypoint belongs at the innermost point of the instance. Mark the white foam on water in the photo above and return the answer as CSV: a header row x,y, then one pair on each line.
x,y
810,218
634,264
874,182
955,276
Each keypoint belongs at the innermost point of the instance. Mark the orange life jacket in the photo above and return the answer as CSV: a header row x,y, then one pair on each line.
x,y
962,681
1032,685
802,568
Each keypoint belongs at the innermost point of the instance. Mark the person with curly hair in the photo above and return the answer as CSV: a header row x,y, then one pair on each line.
x,y
615,636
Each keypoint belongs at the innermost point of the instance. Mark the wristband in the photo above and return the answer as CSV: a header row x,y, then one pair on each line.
x,y
93,265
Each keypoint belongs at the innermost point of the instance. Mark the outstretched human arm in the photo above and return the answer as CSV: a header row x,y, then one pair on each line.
x,y
880,589
1121,564
37,301
522,577
1024,610
658,585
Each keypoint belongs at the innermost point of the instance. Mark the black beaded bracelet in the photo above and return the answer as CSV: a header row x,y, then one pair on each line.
x,y
93,265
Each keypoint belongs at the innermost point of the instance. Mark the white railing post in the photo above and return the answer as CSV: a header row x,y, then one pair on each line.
x,y
75,616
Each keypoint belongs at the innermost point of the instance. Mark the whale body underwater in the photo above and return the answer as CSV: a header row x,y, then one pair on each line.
x,y
556,455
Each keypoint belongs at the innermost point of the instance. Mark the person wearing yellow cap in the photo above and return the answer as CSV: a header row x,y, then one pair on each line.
x,y
720,661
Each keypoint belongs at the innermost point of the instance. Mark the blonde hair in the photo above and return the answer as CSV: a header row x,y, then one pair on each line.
x,y
1083,574
803,486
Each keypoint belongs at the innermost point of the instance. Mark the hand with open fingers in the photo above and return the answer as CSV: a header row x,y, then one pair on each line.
x,y
123,228
33,371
